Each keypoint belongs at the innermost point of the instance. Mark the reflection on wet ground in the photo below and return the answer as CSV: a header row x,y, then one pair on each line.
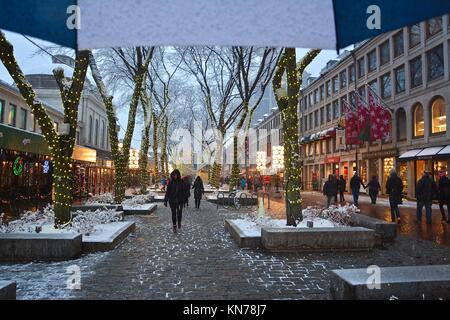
x,y
438,231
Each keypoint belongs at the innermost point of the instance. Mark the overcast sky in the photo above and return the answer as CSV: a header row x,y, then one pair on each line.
x,y
30,62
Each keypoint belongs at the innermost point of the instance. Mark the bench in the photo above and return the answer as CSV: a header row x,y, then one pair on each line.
x,y
385,231
409,283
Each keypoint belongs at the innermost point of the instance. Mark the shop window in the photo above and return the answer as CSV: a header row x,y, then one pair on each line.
x,y
400,79
12,115
399,45
414,35
23,118
91,124
361,68
419,124
434,26
415,67
96,132
372,57
335,84
438,116
2,110
374,86
386,87
435,63
403,174
343,77
385,54
352,75
401,124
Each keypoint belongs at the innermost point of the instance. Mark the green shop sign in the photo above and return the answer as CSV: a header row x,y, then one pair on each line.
x,y
22,141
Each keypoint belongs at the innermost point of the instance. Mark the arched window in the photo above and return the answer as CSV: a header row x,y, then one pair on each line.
x,y
419,124
96,132
103,134
438,116
401,124
90,129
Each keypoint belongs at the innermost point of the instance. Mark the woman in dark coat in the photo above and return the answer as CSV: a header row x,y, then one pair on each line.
x,y
198,191
330,190
374,188
175,196
394,188
187,190
341,188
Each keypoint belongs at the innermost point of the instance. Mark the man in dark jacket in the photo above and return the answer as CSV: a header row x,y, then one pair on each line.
x,y
175,195
425,192
444,196
355,185
330,190
394,188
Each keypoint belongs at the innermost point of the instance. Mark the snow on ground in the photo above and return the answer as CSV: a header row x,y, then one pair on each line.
x,y
106,198
85,223
146,206
333,217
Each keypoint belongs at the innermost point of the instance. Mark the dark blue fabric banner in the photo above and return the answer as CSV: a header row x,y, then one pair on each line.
x,y
44,19
358,20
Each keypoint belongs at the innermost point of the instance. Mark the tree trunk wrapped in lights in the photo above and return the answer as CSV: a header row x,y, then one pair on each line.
x,y
288,107
145,144
121,156
235,171
61,146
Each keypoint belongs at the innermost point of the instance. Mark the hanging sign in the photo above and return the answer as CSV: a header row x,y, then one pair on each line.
x,y
340,139
18,166
46,166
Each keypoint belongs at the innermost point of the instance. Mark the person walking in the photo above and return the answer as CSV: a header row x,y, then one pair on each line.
x,y
198,191
249,184
355,185
444,196
341,188
243,183
163,183
175,196
374,187
425,192
329,190
394,188
187,190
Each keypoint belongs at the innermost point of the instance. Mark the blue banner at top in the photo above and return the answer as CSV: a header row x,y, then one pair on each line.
x,y
44,19
358,20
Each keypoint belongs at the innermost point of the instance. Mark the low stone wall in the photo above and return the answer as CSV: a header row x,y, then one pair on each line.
x,y
95,207
230,201
27,247
7,290
317,239
239,236
385,231
140,211
109,241
410,283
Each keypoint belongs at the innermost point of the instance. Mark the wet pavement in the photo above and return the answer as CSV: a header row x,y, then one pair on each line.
x,y
438,231
202,262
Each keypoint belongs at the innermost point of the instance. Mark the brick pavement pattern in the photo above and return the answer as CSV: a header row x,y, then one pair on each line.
x,y
202,262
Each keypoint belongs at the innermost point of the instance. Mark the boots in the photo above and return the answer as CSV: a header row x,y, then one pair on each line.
x,y
174,229
179,225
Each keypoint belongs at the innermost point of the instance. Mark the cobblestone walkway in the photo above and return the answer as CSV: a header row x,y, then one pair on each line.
x,y
202,262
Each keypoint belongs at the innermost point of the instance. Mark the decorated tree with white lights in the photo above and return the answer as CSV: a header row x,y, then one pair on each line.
x,y
61,144
147,107
287,101
135,64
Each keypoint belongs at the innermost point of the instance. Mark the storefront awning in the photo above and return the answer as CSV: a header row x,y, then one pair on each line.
x,y
408,155
84,154
16,139
445,152
428,153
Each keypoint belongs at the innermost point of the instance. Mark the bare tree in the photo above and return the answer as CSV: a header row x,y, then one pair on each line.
x,y
61,144
255,70
214,70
